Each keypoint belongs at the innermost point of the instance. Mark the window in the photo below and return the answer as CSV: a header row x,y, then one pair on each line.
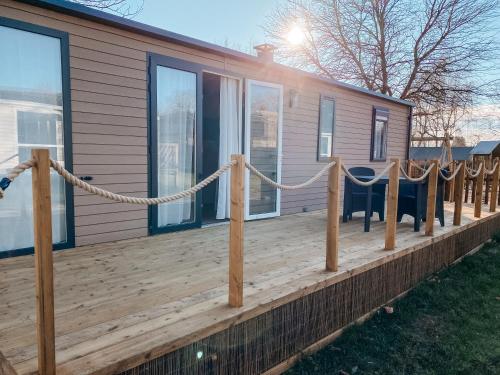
x,y
34,112
326,128
379,134
175,122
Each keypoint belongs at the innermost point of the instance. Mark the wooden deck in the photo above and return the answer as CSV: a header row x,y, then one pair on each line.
x,y
119,304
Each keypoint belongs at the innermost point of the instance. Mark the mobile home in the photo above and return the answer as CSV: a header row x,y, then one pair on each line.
x,y
145,112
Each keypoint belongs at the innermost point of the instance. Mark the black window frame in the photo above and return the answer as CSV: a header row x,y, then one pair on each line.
x,y
385,111
318,145
155,60
67,126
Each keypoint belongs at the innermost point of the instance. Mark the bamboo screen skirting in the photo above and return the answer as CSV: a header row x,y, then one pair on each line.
x,y
263,342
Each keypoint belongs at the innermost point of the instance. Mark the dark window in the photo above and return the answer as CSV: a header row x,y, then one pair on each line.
x,y
379,134
326,128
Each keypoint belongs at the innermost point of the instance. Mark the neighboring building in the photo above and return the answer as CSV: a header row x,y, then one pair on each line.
x,y
488,149
146,112
436,153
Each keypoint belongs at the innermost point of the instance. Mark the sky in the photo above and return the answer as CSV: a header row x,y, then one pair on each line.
x,y
238,24
232,23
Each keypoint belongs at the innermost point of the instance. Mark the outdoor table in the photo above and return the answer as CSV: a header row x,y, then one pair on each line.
x,y
384,180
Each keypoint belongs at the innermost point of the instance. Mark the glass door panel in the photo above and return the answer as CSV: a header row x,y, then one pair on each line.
x,y
264,103
31,116
176,129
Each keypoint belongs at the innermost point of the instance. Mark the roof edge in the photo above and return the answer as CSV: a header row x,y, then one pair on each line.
x,y
91,14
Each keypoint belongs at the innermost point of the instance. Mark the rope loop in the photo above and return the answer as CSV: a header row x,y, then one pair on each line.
x,y
75,181
373,181
475,174
276,185
491,171
450,178
135,200
416,179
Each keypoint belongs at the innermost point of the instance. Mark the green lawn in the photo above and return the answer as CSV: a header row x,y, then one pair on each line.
x,y
449,324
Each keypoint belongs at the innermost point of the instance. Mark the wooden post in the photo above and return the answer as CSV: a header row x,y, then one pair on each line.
x,y
478,202
467,186
494,187
458,196
487,180
410,168
392,206
236,231
431,198
451,197
332,230
44,277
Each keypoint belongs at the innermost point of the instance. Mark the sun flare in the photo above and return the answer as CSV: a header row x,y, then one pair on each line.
x,y
295,36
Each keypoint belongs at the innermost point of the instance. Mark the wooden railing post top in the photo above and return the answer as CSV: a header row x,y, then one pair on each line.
x,y
238,157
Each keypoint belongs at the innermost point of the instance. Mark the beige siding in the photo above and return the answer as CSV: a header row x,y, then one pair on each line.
x,y
108,68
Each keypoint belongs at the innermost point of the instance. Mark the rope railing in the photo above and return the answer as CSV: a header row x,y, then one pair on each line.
x,y
473,174
373,181
13,174
450,178
489,172
276,185
416,179
75,181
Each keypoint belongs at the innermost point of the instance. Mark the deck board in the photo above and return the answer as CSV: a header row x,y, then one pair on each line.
x,y
120,303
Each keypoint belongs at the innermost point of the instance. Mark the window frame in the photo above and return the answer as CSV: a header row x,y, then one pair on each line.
x,y
155,60
246,142
320,158
385,111
67,128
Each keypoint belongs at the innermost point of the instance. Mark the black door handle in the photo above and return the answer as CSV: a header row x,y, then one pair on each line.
x,y
86,178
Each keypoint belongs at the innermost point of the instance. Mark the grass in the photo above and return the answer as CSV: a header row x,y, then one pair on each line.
x,y
449,324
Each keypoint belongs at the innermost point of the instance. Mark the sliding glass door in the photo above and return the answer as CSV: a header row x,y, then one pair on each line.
x,y
263,121
174,105
34,113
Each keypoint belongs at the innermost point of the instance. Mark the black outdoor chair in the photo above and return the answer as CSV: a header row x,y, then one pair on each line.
x,y
408,204
355,195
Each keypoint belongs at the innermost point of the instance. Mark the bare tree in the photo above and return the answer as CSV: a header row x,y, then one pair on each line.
x,y
441,121
416,50
124,8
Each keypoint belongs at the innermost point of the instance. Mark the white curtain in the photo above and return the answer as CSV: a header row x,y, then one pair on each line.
x,y
176,100
229,140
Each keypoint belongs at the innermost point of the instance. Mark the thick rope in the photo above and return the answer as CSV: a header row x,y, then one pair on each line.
x,y
450,178
491,171
73,180
473,174
419,167
18,169
276,185
367,183
416,179
13,173
135,200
